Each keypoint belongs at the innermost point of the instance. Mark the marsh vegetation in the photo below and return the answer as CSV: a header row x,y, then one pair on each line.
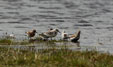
x,y
54,57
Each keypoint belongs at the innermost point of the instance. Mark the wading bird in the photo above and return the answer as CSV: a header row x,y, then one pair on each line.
x,y
50,34
75,37
31,33
64,35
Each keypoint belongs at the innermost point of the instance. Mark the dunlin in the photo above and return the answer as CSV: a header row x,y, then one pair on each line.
x,y
51,33
64,35
75,37
31,33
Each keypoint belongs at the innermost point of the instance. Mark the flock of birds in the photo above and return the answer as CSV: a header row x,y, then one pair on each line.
x,y
53,33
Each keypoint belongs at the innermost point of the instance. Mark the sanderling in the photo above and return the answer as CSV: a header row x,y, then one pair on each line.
x,y
31,33
51,33
75,37
64,35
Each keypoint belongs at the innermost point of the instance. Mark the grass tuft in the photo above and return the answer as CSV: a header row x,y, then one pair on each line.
x,y
6,41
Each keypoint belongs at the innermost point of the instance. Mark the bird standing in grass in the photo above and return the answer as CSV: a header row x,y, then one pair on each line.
x,y
31,33
75,37
50,34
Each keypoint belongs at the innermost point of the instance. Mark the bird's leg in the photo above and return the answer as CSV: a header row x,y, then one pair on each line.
x,y
29,38
51,38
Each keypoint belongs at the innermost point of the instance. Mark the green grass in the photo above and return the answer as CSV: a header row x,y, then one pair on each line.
x,y
51,57
13,42
6,41
10,41
54,58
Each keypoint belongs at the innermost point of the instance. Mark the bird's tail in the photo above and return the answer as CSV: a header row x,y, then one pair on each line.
x,y
77,34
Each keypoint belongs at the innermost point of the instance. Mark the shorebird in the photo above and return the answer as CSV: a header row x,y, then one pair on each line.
x,y
75,37
31,33
12,35
65,35
51,33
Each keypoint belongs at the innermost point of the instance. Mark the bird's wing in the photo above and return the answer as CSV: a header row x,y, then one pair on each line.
x,y
28,32
48,33
72,36
43,35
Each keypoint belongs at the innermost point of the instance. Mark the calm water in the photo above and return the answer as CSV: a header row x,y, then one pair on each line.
x,y
93,17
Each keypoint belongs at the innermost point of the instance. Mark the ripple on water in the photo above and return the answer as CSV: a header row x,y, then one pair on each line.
x,y
106,10
40,7
63,27
110,28
17,13
83,25
20,27
52,24
83,21
2,22
70,5
99,21
54,20
59,20
11,0
22,19
1,30
12,22
52,12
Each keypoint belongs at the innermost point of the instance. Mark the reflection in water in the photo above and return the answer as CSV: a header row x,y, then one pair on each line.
x,y
46,45
78,44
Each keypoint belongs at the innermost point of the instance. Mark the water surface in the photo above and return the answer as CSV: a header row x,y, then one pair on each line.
x,y
93,17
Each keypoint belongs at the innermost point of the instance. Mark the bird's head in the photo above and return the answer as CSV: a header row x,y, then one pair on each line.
x,y
57,30
63,31
34,31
